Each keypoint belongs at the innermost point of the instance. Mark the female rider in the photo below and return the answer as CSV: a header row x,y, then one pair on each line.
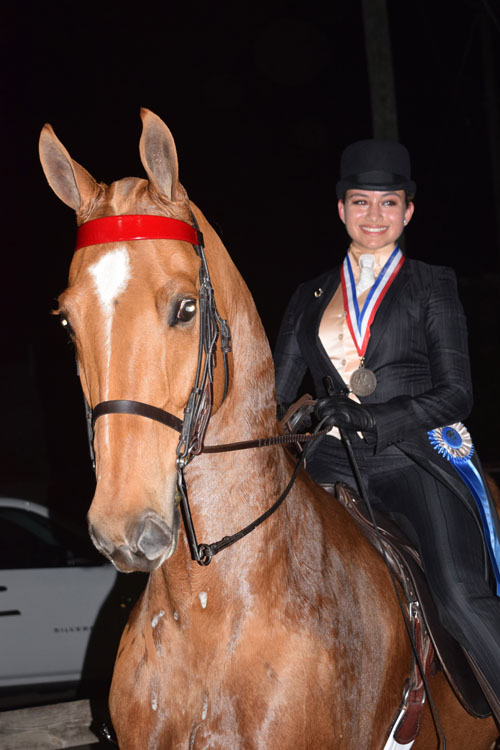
x,y
394,351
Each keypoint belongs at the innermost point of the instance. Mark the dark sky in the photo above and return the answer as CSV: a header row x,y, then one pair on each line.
x,y
260,100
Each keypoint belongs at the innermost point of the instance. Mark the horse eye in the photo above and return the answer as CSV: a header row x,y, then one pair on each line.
x,y
67,326
186,311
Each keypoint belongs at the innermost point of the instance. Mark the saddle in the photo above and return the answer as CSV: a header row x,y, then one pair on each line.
x,y
436,648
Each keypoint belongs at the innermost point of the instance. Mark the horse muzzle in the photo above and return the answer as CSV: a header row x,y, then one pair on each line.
x,y
150,542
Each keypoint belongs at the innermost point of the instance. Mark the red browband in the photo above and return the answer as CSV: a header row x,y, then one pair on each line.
x,y
134,227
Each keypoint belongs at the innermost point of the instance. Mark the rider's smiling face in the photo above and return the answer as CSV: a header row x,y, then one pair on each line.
x,y
374,219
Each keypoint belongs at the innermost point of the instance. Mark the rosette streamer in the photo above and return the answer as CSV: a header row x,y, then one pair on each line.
x,y
455,445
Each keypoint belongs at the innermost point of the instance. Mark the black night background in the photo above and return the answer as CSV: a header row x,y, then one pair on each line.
x,y
260,100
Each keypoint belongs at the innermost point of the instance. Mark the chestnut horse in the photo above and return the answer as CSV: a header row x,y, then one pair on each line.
x,y
291,638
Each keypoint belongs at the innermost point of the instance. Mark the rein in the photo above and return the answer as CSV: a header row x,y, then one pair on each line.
x,y
198,410
124,406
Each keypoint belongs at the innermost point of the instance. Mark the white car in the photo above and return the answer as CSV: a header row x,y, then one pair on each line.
x,y
62,605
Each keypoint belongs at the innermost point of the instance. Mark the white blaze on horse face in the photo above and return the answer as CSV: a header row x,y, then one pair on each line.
x,y
111,275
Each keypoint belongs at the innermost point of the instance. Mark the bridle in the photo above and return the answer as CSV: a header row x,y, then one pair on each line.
x,y
193,426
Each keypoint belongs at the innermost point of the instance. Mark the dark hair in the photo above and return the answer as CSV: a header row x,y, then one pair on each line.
x,y
409,197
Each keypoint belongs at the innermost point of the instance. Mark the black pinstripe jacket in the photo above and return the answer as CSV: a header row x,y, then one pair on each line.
x,y
417,349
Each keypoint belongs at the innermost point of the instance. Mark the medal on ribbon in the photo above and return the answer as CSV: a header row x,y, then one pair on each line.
x,y
364,381
454,443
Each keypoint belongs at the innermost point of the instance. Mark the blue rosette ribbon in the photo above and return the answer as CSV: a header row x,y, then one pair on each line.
x,y
454,443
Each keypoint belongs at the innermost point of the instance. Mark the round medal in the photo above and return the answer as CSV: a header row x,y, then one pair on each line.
x,y
363,382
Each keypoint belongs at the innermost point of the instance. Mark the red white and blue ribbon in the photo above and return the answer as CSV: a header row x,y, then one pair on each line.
x,y
455,445
359,321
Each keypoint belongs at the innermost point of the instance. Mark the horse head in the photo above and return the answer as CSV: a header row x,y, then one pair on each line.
x,y
132,311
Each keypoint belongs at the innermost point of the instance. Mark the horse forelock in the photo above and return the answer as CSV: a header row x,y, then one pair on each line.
x,y
132,195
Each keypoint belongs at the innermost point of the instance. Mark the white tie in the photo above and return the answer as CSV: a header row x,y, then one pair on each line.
x,y
367,276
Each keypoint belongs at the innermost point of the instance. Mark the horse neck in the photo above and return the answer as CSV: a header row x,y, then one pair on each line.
x,y
229,490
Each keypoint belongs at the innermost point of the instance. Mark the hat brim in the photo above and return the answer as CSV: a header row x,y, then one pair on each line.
x,y
353,183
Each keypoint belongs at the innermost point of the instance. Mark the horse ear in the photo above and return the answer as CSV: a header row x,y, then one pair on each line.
x,y
69,181
159,157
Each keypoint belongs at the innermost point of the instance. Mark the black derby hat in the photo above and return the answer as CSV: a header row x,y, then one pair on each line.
x,y
375,165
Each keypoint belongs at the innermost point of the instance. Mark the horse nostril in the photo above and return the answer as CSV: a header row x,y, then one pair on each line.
x,y
154,538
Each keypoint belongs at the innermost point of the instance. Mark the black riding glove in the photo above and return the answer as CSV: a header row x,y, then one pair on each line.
x,y
343,412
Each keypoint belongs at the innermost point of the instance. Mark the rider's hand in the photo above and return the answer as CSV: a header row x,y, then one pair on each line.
x,y
343,412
